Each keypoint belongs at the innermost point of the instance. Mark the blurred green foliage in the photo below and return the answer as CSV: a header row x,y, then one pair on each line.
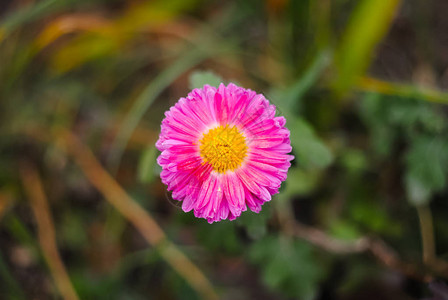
x,y
422,128
352,78
283,261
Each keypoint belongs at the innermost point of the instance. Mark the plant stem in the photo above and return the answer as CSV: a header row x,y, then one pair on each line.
x,y
427,232
369,84
47,235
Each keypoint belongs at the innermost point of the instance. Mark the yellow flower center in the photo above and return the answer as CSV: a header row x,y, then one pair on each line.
x,y
223,147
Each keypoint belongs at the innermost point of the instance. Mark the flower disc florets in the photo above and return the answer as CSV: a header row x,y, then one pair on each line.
x,y
224,148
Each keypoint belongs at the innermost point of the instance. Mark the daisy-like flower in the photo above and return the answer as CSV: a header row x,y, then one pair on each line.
x,y
223,150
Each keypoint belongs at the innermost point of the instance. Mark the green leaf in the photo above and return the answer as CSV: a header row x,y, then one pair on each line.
x,y
200,78
288,266
310,150
426,162
146,165
427,159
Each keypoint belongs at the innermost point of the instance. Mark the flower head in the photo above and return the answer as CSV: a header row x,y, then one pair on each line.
x,y
223,150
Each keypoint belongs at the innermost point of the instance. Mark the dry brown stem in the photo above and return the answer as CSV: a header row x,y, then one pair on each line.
x,y
47,236
376,247
427,233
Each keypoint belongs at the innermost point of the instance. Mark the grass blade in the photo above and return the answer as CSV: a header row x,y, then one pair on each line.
x,y
368,25
28,14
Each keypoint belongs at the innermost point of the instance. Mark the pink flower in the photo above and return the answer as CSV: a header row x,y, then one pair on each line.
x,y
223,150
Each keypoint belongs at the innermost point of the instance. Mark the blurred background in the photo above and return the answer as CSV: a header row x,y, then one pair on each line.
x,y
83,88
